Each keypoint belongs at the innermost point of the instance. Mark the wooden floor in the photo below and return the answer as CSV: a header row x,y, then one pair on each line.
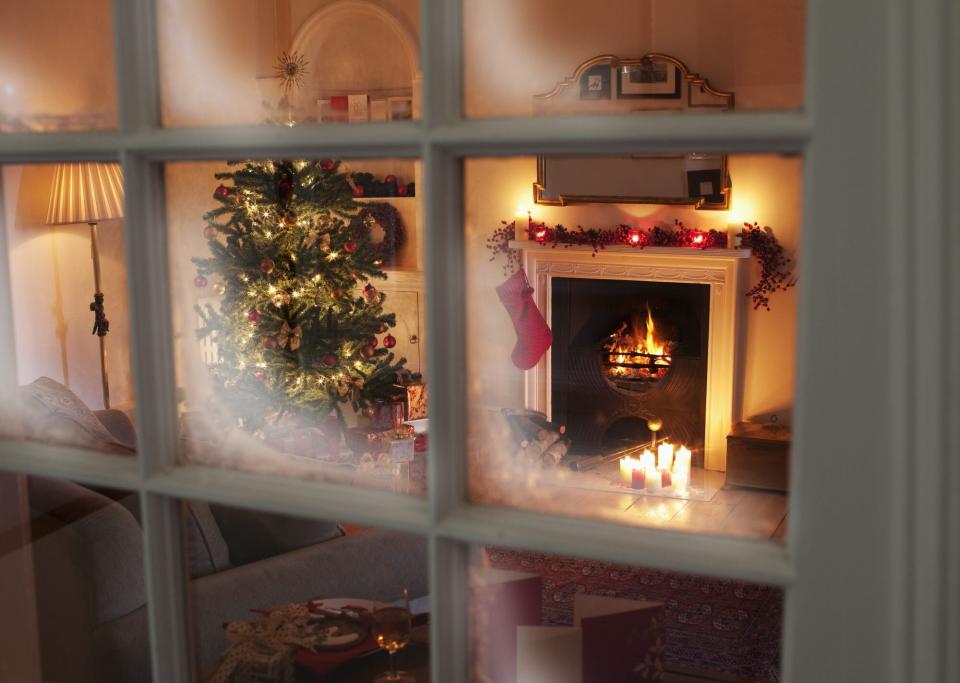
x,y
719,510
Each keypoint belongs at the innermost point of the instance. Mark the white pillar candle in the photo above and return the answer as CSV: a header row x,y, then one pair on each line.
x,y
681,470
521,224
648,460
664,456
627,465
653,483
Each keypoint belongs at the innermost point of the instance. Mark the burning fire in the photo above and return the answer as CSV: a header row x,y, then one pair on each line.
x,y
635,351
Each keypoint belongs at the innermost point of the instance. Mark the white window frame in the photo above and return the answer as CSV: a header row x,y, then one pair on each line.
x,y
872,561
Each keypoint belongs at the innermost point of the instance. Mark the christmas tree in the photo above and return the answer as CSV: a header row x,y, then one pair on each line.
x,y
297,326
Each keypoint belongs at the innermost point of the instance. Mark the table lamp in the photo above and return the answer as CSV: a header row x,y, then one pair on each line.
x,y
89,193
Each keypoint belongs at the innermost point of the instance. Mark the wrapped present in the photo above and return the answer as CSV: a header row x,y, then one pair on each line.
x,y
306,442
388,414
264,666
416,401
400,450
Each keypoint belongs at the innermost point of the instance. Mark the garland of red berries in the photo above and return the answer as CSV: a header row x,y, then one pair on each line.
x,y
775,267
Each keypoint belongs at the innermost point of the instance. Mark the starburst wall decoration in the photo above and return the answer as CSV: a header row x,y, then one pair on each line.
x,y
291,68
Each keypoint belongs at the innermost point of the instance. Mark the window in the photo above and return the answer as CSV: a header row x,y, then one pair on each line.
x,y
872,534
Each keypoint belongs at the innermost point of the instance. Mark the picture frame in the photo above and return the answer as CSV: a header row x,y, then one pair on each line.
x,y
595,83
400,108
706,184
649,79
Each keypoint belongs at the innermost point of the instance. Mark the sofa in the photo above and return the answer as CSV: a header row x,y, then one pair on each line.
x,y
89,558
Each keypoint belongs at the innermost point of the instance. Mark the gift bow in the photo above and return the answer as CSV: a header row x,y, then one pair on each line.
x,y
290,334
278,631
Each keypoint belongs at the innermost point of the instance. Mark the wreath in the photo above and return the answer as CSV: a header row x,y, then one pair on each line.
x,y
387,218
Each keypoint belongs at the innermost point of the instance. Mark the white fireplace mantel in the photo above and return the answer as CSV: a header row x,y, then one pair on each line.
x,y
724,270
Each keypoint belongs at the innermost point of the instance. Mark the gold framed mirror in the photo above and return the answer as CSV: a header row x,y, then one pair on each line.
x,y
655,82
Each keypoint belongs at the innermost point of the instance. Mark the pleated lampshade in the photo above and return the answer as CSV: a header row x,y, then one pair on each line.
x,y
85,193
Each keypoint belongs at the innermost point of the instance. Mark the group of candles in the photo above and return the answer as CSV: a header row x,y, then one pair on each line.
x,y
652,473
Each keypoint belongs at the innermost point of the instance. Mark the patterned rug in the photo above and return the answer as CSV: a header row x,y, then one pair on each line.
x,y
712,625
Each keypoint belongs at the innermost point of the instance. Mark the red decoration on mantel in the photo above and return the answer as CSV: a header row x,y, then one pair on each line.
x,y
776,268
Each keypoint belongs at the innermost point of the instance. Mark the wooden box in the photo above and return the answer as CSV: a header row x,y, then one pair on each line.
x,y
758,455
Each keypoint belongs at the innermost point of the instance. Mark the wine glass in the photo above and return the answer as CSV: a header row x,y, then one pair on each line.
x,y
392,625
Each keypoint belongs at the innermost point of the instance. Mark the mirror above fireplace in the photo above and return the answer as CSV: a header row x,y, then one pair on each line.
x,y
653,83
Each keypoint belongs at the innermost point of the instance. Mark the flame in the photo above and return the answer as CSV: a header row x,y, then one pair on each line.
x,y
636,351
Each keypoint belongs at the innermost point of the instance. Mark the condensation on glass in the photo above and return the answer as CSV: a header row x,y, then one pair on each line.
x,y
57,70
281,63
65,236
299,318
625,56
312,595
71,583
540,617
622,360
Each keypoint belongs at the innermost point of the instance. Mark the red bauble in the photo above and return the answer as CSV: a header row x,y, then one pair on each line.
x,y
327,164
329,360
199,281
260,375
373,342
253,315
390,179
358,191
267,265
401,190
389,341
284,187
350,247
222,191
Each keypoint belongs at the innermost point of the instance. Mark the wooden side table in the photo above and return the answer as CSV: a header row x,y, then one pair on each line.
x,y
758,456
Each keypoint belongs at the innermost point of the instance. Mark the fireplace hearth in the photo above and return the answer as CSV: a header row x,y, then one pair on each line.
x,y
625,352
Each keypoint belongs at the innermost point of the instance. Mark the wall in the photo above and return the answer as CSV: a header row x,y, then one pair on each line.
x,y
52,289
753,49
56,57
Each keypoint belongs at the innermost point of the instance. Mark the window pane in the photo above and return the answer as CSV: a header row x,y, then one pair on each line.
x,y
558,62
539,617
280,63
634,329
57,67
70,312
326,586
72,583
299,306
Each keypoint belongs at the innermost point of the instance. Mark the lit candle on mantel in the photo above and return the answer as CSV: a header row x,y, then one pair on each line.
x,y
664,456
522,224
639,478
681,470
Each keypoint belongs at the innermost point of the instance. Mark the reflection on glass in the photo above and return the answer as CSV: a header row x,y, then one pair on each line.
x,y
319,611
300,305
288,64
71,583
540,617
70,312
607,57
621,354
57,68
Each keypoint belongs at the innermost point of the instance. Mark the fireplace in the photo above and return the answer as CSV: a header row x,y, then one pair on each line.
x,y
625,352
695,299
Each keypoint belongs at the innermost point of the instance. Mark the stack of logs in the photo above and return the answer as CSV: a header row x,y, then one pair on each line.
x,y
538,440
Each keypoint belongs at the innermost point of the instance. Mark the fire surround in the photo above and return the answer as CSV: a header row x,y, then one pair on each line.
x,y
724,270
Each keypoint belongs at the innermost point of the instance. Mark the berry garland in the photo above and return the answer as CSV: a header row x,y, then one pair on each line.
x,y
775,267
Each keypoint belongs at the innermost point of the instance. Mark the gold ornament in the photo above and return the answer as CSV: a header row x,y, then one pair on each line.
x,y
291,67
383,328
366,351
219,288
281,298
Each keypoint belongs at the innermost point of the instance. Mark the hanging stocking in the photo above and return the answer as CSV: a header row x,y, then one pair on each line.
x,y
533,335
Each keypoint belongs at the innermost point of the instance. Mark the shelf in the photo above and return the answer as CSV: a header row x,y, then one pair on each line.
x,y
636,251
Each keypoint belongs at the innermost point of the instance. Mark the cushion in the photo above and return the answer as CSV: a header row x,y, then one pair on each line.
x,y
204,545
253,535
54,414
